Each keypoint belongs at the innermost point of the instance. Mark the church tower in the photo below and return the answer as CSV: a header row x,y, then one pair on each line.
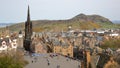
x,y
28,33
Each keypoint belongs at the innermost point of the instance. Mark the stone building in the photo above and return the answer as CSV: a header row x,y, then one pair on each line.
x,y
8,44
63,47
37,45
20,40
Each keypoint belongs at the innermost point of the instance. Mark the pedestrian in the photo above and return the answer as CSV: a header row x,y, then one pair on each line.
x,y
67,59
47,60
58,66
32,61
35,59
48,63
78,66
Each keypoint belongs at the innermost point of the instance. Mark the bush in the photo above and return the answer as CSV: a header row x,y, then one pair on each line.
x,y
12,61
112,43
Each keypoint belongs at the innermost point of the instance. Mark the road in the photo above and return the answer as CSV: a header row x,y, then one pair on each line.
x,y
43,60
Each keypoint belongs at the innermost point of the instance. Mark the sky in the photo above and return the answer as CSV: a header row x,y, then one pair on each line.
x,y
15,11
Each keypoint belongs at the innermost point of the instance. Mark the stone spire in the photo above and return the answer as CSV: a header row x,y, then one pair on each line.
x,y
28,15
28,26
28,32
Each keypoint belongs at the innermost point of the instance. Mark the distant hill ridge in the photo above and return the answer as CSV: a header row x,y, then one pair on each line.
x,y
116,21
6,24
80,21
93,18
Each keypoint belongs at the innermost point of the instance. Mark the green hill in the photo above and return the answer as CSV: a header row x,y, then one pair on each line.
x,y
80,21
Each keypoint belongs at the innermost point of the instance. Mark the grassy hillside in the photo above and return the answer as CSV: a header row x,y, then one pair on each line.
x,y
80,21
55,26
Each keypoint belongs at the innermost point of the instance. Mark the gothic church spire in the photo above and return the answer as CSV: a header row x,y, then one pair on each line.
x,y
28,14
28,32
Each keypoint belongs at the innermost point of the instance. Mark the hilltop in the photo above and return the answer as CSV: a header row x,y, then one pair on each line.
x,y
93,18
80,21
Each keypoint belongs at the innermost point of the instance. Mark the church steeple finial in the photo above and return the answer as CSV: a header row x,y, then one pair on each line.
x,y
28,15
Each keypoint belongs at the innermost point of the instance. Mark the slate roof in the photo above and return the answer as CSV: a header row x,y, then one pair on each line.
x,y
56,42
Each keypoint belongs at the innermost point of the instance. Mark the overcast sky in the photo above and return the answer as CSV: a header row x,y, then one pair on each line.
x,y
15,11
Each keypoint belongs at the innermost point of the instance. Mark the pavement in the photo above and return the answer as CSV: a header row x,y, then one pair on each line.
x,y
45,61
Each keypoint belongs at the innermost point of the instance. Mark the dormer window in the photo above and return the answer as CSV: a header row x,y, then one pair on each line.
x,y
3,43
14,44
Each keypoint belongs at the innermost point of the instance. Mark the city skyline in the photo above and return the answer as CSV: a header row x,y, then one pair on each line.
x,y
15,11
